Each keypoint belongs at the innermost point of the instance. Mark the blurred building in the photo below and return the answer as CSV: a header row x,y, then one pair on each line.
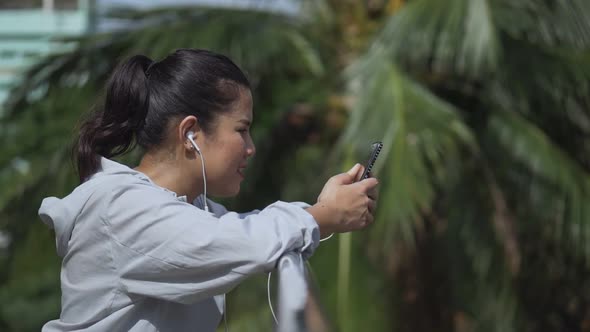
x,y
31,29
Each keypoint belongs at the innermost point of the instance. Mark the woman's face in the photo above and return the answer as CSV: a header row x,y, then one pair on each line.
x,y
228,146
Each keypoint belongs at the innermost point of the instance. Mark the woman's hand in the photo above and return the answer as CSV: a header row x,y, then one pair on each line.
x,y
345,205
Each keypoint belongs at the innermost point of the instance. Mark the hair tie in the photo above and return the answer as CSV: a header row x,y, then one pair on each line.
x,y
147,71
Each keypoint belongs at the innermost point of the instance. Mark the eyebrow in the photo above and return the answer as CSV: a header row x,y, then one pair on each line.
x,y
245,121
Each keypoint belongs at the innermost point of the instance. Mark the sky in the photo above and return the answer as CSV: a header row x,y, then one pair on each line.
x,y
279,5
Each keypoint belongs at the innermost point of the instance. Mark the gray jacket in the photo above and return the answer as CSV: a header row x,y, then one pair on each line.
x,y
138,258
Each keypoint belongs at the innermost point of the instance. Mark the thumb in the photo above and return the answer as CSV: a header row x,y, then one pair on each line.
x,y
347,177
355,171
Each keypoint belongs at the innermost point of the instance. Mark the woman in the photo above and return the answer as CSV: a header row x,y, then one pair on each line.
x,y
137,256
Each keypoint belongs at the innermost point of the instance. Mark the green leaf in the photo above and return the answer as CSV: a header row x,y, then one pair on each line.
x,y
420,132
456,36
526,143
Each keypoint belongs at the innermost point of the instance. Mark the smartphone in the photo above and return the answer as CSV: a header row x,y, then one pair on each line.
x,y
375,150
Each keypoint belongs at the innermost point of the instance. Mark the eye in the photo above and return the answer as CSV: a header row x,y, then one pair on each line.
x,y
243,130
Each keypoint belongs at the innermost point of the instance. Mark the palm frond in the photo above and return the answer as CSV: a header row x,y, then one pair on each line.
x,y
561,85
457,36
473,252
550,23
421,134
527,144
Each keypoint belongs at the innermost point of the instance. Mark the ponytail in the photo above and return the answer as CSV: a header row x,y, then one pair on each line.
x,y
111,131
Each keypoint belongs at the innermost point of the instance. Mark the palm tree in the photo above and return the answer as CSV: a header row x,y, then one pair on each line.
x,y
483,107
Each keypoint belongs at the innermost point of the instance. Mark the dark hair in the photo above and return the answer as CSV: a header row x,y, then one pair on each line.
x,y
142,96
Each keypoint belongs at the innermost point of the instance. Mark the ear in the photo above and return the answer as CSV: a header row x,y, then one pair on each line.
x,y
185,126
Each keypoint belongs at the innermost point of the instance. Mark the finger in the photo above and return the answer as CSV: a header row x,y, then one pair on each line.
x,y
368,184
373,193
372,206
365,219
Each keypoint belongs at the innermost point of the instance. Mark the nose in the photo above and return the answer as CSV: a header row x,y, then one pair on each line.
x,y
250,148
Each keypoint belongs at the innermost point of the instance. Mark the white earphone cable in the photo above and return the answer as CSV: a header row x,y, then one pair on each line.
x,y
268,287
269,300
327,238
204,183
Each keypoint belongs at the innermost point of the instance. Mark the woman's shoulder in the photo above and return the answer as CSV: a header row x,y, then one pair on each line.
x,y
115,178
116,183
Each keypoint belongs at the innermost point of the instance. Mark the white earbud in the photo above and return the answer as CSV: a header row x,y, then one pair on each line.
x,y
190,136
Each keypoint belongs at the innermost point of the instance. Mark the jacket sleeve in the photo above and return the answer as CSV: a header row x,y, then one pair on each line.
x,y
169,249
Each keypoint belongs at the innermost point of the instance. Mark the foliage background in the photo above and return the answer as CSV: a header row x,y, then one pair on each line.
x,y
484,181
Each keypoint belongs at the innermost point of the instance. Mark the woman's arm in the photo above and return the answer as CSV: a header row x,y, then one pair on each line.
x,y
167,249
